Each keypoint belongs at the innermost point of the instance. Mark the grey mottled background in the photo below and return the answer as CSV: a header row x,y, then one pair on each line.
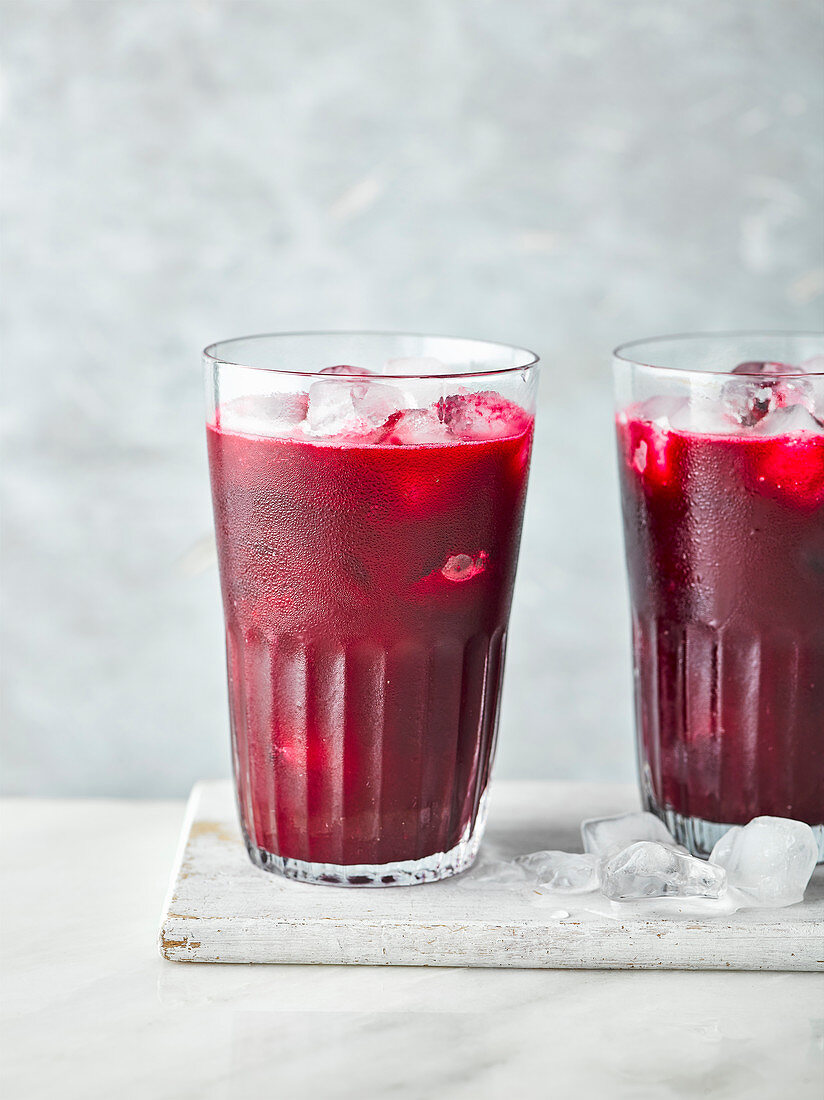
x,y
564,174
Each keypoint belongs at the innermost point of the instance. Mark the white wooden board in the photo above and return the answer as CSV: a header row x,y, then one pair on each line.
x,y
220,908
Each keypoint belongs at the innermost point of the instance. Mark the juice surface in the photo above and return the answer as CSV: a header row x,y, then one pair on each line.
x,y
725,548
366,588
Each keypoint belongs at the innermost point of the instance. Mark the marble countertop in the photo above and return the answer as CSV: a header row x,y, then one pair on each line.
x,y
90,1010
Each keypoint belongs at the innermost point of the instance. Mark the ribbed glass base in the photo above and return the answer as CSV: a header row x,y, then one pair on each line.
x,y
700,836
408,872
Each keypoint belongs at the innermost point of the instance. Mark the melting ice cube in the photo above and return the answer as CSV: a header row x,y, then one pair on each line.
x,y
415,426
706,414
662,409
481,415
376,402
771,859
264,414
564,872
352,403
604,836
331,410
788,420
763,388
652,870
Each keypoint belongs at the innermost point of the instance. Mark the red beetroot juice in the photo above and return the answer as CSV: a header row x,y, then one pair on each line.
x,y
366,588
725,550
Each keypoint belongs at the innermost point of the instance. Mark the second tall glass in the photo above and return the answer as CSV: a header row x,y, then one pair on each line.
x,y
368,494
721,458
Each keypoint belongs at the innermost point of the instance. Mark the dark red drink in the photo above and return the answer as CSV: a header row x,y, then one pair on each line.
x,y
367,582
725,549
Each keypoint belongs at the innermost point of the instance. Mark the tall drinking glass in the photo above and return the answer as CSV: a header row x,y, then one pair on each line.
x,y
721,459
368,494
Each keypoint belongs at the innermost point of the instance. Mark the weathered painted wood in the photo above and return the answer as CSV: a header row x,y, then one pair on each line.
x,y
222,909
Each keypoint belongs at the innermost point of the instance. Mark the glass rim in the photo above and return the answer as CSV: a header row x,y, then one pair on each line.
x,y
210,353
619,353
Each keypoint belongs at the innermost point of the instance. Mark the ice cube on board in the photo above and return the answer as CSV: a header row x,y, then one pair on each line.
x,y
606,835
771,859
649,869
563,872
